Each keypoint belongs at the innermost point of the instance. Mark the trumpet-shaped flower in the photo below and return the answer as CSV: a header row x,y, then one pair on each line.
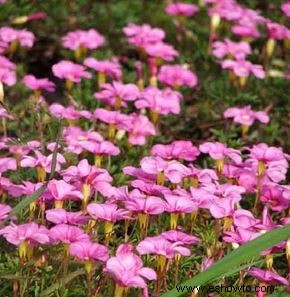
x,y
162,51
181,9
69,113
23,37
179,236
61,216
67,234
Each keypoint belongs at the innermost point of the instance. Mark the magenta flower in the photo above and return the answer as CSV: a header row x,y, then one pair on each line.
x,y
267,276
143,35
179,236
243,68
4,211
87,250
69,113
6,63
24,149
23,37
246,116
7,77
240,236
103,148
61,216
177,76
106,212
90,39
42,161
161,50
113,94
139,127
218,151
276,31
179,204
179,149
61,191
276,197
131,274
38,84
244,218
7,164
70,71
158,245
237,50
67,234
285,7
107,67
181,9
159,101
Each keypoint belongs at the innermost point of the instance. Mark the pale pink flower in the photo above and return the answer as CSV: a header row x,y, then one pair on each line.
x,y
237,50
179,204
285,7
67,234
127,269
159,101
179,236
161,50
110,68
30,233
33,83
244,218
7,76
61,216
103,148
246,116
177,76
240,236
142,35
181,9
178,149
70,71
87,250
7,164
6,63
24,37
243,68
90,39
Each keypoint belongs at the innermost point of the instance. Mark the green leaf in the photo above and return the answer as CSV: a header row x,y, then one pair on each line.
x,y
229,264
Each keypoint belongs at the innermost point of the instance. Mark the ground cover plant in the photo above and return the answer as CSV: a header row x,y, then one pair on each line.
x,y
144,144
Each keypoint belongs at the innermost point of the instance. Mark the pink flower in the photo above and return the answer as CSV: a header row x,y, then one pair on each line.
x,y
142,35
179,204
243,68
139,127
24,37
148,205
67,234
103,148
277,197
246,116
267,276
179,236
33,83
219,151
30,233
179,149
285,7
158,245
109,116
177,76
159,101
276,31
180,8
106,212
127,269
4,211
109,68
6,63
42,161
244,218
61,216
237,50
7,164
24,149
70,112
86,250
111,92
90,39
240,236
70,71
7,76
60,190
161,50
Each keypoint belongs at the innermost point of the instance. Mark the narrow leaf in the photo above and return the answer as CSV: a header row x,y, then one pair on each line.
x,y
231,261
